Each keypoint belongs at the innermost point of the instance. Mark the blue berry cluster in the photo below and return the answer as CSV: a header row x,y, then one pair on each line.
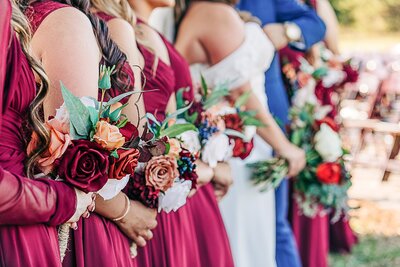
x,y
206,131
186,164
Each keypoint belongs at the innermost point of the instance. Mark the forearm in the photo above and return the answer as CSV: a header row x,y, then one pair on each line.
x,y
112,208
327,14
270,133
24,201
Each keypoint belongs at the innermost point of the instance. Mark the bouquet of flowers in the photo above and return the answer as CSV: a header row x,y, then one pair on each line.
x,y
167,170
90,145
225,129
325,180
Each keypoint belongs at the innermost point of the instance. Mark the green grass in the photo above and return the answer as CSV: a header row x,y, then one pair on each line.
x,y
372,251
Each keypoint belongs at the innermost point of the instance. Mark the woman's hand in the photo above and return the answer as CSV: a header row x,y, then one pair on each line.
x,y
205,173
138,223
222,180
296,158
84,205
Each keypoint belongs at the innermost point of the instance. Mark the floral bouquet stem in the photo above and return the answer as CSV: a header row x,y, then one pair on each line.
x,y
268,174
63,237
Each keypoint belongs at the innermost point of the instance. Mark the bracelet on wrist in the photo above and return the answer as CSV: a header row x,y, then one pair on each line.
x,y
128,206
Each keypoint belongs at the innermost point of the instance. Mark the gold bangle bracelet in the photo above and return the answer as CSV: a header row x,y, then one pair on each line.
x,y
128,206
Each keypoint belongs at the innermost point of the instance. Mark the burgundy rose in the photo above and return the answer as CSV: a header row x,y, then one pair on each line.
x,y
129,131
242,149
234,122
351,73
125,163
137,190
85,165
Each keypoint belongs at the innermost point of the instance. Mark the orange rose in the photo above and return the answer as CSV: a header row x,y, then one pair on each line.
x,y
174,147
108,136
59,142
161,172
125,164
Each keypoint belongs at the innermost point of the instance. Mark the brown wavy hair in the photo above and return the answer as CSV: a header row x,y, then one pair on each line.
x,y
35,119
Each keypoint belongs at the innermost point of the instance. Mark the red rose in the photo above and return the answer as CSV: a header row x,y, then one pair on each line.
x,y
351,73
137,190
84,165
330,122
129,131
234,122
329,173
242,149
125,164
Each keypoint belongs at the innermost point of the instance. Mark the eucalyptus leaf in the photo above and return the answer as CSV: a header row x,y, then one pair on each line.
x,y
177,129
94,115
234,133
177,113
118,98
191,118
151,117
242,100
204,86
114,116
80,123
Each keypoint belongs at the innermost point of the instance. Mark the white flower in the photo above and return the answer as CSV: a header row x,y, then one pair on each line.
x,y
62,113
328,144
217,148
321,112
175,197
190,141
249,132
333,77
113,187
305,95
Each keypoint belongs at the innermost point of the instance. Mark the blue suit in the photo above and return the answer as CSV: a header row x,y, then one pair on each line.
x,y
313,31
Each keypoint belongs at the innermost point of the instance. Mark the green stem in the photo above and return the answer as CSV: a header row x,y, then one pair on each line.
x,y
103,92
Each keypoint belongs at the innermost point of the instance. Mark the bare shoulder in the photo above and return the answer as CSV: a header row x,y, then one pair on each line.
x,y
122,33
215,16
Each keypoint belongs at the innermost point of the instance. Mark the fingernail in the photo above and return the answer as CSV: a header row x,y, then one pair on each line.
x,y
75,227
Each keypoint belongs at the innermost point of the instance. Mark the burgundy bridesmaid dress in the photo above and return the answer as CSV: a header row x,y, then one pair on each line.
x,y
29,209
194,235
98,241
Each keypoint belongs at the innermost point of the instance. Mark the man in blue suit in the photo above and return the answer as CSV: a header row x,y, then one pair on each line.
x,y
286,22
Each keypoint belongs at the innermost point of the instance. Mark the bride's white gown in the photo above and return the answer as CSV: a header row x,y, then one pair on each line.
x,y
249,215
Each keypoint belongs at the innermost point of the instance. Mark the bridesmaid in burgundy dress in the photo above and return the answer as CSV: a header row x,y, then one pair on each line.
x,y
96,234
315,236
29,209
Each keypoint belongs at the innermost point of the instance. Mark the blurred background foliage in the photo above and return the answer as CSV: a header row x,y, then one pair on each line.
x,y
371,16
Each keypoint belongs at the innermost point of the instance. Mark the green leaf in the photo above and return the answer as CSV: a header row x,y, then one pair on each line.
x,y
251,121
216,96
242,100
180,102
296,137
176,114
191,118
235,133
115,154
93,114
80,123
151,117
122,123
106,112
118,98
204,86
177,129
114,116
320,72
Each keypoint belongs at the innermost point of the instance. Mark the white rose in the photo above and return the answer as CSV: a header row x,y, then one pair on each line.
x,y
217,148
175,197
190,141
249,132
62,113
113,187
328,144
321,112
305,95
333,77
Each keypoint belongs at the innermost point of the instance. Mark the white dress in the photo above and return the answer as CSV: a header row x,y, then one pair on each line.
x,y
249,215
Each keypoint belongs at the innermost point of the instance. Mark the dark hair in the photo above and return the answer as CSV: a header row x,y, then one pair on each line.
x,y
111,54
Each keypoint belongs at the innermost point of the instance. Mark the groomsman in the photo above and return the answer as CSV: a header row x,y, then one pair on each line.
x,y
286,22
